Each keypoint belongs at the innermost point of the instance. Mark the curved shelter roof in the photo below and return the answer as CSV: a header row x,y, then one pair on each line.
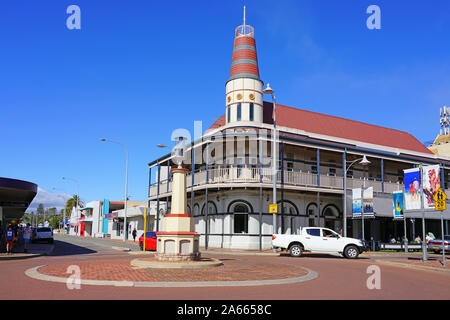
x,y
15,197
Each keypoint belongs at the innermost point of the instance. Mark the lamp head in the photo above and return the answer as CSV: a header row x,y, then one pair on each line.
x,y
161,146
178,151
268,89
364,161
102,139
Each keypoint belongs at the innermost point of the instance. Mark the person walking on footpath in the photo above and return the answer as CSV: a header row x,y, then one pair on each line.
x,y
26,237
134,234
9,239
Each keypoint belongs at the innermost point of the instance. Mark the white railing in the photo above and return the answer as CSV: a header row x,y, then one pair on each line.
x,y
245,174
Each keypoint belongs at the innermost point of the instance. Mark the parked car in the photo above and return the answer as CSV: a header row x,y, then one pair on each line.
x,y
150,240
436,244
43,234
318,240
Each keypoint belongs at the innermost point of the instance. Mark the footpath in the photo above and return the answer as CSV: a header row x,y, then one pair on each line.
x,y
34,250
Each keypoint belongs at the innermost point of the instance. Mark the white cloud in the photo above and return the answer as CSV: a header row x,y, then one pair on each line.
x,y
49,200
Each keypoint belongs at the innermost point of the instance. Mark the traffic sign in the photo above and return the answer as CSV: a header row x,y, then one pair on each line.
x,y
439,200
273,208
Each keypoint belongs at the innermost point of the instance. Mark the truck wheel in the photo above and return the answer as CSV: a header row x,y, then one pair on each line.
x,y
295,250
351,252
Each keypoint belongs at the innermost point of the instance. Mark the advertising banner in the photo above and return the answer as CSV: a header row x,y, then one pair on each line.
x,y
367,203
356,202
412,189
431,184
398,204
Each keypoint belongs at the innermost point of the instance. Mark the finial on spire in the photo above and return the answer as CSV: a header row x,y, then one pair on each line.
x,y
244,17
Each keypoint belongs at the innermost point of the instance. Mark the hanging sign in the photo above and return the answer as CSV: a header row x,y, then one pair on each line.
x,y
273,208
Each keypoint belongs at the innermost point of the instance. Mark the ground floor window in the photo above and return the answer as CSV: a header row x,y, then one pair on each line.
x,y
240,211
241,223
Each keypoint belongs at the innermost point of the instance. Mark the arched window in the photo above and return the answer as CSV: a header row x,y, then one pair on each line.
x,y
196,211
331,211
311,210
312,213
240,210
289,207
212,208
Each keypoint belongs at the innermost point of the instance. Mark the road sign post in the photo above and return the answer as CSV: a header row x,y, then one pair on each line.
x,y
273,208
145,227
440,205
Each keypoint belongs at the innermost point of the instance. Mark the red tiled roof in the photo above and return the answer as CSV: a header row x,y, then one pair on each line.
x,y
324,124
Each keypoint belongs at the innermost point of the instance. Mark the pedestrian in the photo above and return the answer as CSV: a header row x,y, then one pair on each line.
x,y
432,236
417,239
9,239
134,234
26,237
1,237
16,235
392,239
427,237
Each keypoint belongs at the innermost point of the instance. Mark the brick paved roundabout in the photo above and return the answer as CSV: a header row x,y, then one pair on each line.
x,y
233,271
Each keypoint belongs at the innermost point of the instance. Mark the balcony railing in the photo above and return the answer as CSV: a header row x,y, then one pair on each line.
x,y
236,175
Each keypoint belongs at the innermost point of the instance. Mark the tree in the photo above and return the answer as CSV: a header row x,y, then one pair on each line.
x,y
72,202
26,218
40,209
40,214
54,221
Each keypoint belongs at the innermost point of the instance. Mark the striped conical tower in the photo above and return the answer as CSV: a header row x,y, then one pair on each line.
x,y
244,95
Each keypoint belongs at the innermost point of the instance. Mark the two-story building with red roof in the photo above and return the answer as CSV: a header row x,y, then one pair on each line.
x,y
231,179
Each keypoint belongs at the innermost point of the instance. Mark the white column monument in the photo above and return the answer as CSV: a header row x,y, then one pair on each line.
x,y
177,240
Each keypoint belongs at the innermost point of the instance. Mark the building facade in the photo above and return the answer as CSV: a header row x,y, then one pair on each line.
x,y
230,182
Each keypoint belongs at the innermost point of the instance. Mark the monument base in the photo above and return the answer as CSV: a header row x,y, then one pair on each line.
x,y
178,246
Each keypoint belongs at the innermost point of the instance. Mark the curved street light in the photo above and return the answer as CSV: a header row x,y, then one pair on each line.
x,y
363,161
269,90
157,193
125,230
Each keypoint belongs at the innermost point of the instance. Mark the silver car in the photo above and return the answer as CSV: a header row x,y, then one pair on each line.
x,y
436,244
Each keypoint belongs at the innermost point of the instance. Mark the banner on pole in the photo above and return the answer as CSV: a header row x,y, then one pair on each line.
x,y
367,203
431,184
412,189
398,204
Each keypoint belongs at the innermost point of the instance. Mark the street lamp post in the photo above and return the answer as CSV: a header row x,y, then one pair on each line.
x,y
364,162
270,91
157,196
125,229
64,218
78,195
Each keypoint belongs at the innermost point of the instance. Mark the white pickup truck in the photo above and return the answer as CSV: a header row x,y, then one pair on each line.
x,y
313,239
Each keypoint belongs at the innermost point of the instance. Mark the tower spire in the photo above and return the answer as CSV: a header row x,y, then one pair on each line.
x,y
244,92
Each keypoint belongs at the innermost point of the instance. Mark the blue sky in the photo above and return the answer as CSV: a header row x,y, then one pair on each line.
x,y
137,70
